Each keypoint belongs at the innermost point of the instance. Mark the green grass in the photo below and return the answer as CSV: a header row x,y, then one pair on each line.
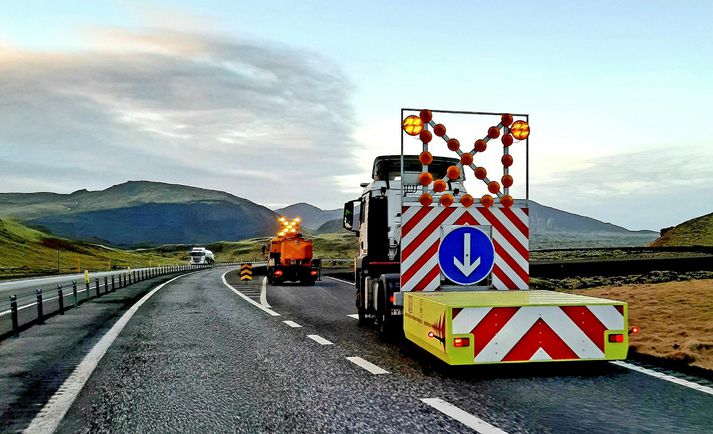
x,y
27,252
695,232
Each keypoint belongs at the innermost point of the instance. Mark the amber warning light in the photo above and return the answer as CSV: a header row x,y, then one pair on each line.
x,y
412,125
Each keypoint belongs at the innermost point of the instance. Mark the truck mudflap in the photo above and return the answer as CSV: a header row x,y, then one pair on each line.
x,y
488,327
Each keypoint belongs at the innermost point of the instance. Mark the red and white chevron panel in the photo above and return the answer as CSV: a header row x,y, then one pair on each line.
x,y
421,237
512,334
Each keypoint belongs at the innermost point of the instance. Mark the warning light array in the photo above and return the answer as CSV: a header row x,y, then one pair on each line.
x,y
507,130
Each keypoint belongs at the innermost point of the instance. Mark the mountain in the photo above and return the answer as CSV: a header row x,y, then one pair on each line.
x,y
142,213
312,217
332,227
553,228
694,232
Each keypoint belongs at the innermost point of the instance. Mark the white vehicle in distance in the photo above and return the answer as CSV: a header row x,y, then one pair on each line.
x,y
201,255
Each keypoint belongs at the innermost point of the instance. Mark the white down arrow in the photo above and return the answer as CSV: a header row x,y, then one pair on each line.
x,y
466,267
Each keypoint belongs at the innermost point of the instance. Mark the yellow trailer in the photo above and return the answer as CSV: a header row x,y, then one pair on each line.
x,y
484,327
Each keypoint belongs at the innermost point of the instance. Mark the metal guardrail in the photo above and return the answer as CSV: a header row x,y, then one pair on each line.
x,y
41,299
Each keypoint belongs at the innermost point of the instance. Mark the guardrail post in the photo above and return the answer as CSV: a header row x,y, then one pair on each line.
x,y
86,284
13,313
97,287
40,313
113,283
74,293
60,298
106,285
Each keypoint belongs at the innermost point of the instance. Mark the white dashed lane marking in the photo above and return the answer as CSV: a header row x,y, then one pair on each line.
x,y
462,416
367,365
319,339
292,324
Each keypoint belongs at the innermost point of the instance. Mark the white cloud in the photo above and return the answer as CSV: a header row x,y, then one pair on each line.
x,y
259,120
640,190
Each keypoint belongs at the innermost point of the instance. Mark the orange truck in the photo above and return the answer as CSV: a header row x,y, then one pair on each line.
x,y
291,257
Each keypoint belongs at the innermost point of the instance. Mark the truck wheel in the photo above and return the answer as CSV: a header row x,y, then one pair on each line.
x,y
361,311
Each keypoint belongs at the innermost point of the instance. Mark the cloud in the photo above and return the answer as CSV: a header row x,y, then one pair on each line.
x,y
639,190
263,121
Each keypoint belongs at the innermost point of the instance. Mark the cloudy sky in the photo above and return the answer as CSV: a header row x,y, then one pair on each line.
x,y
281,102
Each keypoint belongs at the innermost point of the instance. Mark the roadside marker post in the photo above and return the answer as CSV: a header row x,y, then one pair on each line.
x,y
13,313
74,293
246,273
97,286
60,299
40,313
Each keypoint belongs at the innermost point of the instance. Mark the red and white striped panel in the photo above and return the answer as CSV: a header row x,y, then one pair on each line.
x,y
420,239
510,334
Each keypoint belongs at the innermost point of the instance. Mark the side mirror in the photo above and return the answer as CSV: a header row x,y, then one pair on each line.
x,y
349,223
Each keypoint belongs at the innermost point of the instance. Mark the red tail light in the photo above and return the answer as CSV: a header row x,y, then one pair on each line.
x,y
461,342
278,273
392,298
313,272
617,338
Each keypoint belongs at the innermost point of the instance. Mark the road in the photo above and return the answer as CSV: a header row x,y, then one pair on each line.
x,y
199,357
25,289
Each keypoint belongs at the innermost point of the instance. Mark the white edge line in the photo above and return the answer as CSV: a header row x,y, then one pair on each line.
x,y
292,324
462,416
319,339
340,280
367,365
263,293
246,298
49,418
665,377
353,315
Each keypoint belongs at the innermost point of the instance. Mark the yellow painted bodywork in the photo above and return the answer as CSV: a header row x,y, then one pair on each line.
x,y
427,312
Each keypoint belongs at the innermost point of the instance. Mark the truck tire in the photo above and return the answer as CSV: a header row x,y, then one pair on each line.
x,y
361,310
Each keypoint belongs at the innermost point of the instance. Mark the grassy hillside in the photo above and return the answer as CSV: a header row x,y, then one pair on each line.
x,y
26,251
695,232
141,213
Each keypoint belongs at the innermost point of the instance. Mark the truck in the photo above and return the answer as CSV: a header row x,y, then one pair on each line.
x,y
201,256
451,272
290,256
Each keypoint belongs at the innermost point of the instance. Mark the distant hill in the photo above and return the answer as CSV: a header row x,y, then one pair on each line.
x,y
554,228
312,217
695,232
332,227
142,213
551,228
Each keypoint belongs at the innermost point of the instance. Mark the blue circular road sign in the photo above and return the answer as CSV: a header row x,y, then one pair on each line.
x,y
466,255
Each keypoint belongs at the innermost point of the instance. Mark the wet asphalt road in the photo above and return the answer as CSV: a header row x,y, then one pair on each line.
x,y
198,358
